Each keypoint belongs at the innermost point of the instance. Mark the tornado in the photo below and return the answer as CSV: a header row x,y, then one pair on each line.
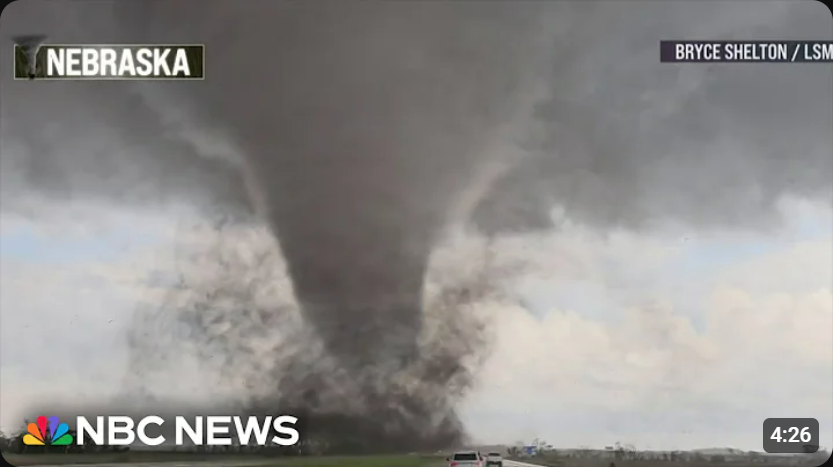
x,y
360,123
356,127
358,131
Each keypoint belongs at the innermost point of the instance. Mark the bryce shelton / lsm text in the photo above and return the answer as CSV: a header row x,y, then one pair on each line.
x,y
110,62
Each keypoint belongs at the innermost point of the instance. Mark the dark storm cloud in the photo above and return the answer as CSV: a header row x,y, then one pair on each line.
x,y
617,118
360,124
626,140
360,128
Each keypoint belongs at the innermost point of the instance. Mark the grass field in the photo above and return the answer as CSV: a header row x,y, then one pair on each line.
x,y
359,461
574,462
22,460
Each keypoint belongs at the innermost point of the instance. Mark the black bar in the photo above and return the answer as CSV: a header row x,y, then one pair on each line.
x,y
791,435
746,51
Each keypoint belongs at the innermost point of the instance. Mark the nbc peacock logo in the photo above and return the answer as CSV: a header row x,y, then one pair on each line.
x,y
56,435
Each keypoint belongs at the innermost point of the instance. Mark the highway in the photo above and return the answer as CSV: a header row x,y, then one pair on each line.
x,y
508,463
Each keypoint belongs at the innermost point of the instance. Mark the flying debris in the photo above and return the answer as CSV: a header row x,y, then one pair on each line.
x,y
356,136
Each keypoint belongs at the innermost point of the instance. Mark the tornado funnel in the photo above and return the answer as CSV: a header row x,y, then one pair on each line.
x,y
359,139
31,44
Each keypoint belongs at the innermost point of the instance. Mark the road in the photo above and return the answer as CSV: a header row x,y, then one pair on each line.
x,y
508,463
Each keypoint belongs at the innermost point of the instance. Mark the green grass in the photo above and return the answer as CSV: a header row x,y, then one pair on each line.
x,y
22,460
363,461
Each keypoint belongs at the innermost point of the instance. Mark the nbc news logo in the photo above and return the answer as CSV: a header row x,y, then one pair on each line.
x,y
47,432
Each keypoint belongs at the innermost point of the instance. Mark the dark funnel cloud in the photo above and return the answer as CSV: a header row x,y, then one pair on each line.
x,y
358,125
353,129
361,122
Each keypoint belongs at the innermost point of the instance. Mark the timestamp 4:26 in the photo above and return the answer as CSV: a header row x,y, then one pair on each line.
x,y
799,435
791,435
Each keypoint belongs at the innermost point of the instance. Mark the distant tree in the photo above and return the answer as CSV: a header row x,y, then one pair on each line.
x,y
630,452
618,451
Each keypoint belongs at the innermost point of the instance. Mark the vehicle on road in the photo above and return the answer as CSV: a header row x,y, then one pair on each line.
x,y
494,459
466,459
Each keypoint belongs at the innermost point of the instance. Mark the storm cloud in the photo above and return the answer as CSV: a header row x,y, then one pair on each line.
x,y
359,131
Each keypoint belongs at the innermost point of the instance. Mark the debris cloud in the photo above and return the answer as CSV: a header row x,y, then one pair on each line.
x,y
357,132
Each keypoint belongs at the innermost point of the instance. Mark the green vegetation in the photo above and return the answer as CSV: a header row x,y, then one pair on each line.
x,y
306,454
364,461
22,460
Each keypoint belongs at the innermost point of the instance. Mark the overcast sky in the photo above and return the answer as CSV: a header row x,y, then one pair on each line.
x,y
680,295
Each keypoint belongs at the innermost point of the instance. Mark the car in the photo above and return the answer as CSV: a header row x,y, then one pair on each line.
x,y
466,459
494,459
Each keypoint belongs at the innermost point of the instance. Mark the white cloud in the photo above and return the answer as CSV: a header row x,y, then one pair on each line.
x,y
765,349
664,359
